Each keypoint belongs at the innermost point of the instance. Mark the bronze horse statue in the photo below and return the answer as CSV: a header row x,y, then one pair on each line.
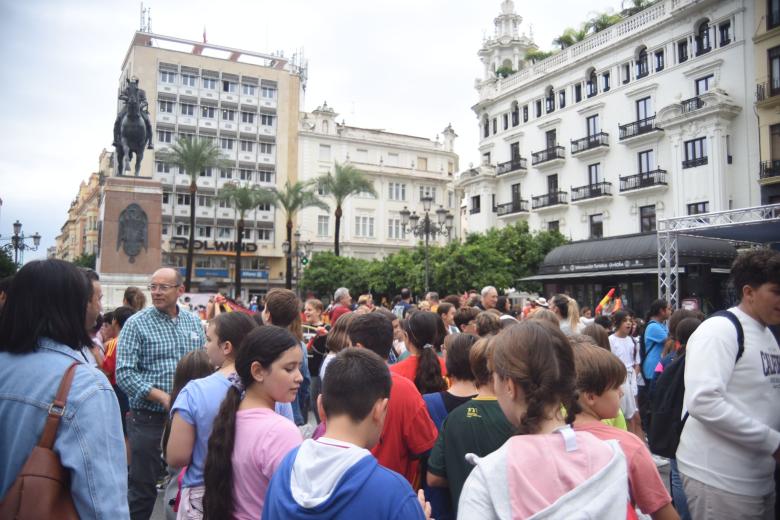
x,y
132,133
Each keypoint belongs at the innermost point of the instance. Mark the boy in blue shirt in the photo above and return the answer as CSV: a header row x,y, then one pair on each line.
x,y
336,476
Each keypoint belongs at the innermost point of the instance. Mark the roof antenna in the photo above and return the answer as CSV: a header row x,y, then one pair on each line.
x,y
146,19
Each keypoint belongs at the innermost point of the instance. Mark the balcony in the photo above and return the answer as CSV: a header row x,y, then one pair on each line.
x,y
770,172
768,93
510,208
549,200
693,163
474,211
591,192
643,182
590,145
516,165
632,132
692,104
549,157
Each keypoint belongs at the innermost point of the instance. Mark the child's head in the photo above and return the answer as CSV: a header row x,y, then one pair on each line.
x,y
282,307
357,387
372,331
457,359
600,376
598,335
120,316
487,323
465,319
622,323
225,334
338,337
479,363
546,315
423,332
685,329
533,374
194,365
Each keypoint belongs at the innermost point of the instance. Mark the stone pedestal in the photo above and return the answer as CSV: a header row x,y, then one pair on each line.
x,y
130,236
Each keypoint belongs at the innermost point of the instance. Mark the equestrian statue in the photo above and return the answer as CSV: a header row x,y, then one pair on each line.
x,y
132,128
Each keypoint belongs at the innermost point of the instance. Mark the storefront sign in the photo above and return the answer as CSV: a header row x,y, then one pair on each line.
x,y
206,272
606,266
212,245
254,274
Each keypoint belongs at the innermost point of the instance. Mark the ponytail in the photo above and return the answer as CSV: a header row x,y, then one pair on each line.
x,y
428,378
218,473
423,331
573,313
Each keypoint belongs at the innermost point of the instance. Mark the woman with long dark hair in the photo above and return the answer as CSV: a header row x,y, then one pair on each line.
x,y
43,329
423,335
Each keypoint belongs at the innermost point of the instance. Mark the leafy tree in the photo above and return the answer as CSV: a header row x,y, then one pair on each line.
x,y
536,55
571,36
292,199
7,265
243,199
601,21
344,182
504,71
193,156
637,5
86,260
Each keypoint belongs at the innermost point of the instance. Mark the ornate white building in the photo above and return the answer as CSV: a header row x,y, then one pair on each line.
x,y
649,118
403,169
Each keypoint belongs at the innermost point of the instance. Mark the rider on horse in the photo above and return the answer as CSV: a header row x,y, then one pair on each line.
x,y
132,84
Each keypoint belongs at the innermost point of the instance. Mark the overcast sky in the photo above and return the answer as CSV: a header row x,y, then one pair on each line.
x,y
403,65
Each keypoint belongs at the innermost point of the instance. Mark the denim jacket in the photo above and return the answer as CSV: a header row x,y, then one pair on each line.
x,y
89,439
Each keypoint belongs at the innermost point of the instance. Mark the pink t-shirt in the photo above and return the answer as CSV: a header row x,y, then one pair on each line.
x,y
263,438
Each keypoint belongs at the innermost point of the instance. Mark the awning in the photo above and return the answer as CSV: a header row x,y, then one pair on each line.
x,y
628,255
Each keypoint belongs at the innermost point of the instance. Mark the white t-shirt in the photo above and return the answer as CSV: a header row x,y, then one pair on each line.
x,y
734,424
625,349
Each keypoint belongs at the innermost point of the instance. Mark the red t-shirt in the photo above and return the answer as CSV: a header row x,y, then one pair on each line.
x,y
408,430
408,367
109,363
647,488
336,312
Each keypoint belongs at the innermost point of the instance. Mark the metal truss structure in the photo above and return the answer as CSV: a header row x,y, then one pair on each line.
x,y
747,227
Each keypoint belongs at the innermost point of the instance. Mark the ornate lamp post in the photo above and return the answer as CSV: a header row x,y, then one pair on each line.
x,y
17,244
423,226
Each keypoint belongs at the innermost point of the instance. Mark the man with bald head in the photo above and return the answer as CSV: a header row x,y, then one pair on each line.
x,y
150,346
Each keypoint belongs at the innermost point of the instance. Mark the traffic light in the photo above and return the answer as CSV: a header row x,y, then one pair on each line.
x,y
304,260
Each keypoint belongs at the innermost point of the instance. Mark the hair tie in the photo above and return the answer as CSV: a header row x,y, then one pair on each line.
x,y
235,381
427,345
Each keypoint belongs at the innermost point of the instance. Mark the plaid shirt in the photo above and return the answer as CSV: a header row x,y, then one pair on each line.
x,y
149,348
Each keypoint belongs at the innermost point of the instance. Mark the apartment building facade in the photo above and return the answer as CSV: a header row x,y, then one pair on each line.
x,y
767,63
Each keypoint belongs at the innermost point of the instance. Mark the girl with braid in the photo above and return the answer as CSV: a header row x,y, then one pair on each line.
x,y
549,470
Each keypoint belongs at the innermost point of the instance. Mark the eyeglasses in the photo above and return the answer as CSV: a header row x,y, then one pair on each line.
x,y
160,287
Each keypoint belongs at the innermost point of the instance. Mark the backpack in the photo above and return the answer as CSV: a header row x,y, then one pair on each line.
x,y
667,421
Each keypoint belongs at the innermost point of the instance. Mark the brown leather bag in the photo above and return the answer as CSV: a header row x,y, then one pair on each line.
x,y
42,487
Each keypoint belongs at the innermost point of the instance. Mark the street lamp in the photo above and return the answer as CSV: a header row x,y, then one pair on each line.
x,y
17,244
423,226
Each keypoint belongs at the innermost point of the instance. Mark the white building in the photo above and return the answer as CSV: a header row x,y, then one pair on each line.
x,y
650,118
403,169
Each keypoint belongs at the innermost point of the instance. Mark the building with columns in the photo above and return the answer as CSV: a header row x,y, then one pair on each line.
x,y
650,118
403,169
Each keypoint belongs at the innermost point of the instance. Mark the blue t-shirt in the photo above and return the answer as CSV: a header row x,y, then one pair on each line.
x,y
655,336
198,404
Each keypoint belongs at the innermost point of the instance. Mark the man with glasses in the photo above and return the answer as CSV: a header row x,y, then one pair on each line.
x,y
149,347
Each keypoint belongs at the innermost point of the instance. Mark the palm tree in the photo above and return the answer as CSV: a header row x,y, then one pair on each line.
x,y
243,199
193,156
346,181
536,55
292,199
571,36
602,20
637,5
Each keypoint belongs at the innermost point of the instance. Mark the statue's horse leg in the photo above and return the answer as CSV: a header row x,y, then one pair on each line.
x,y
139,157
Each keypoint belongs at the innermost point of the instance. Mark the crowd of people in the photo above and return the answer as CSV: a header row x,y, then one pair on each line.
x,y
442,407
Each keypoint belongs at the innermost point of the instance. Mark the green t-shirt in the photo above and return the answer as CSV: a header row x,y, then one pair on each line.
x,y
477,426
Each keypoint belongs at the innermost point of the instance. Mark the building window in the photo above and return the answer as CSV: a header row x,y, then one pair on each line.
x,y
266,148
659,61
591,85
538,108
428,191
167,106
562,99
695,152
642,68
723,32
682,51
165,229
164,136
186,136
266,120
703,39
226,144
594,173
324,154
225,173
554,226
772,14
245,175
525,113
396,191
605,79
549,101
188,80
597,225
187,109
264,234
450,199
208,112
268,92
515,114
626,73
229,86
166,197
364,226
265,176
592,124
248,117
704,84
644,109
495,125
182,199
505,118
486,128
264,207
167,76
224,232
697,208
323,225
204,201
205,172
248,90
247,146
210,83
646,160
228,115
774,71
647,219
204,231
422,163
395,230
578,92
551,138
163,167
182,230
476,204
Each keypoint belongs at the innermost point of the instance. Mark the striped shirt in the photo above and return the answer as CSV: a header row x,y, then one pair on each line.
x,y
149,348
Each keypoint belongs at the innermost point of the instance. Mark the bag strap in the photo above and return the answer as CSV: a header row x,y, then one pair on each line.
x,y
740,333
57,408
